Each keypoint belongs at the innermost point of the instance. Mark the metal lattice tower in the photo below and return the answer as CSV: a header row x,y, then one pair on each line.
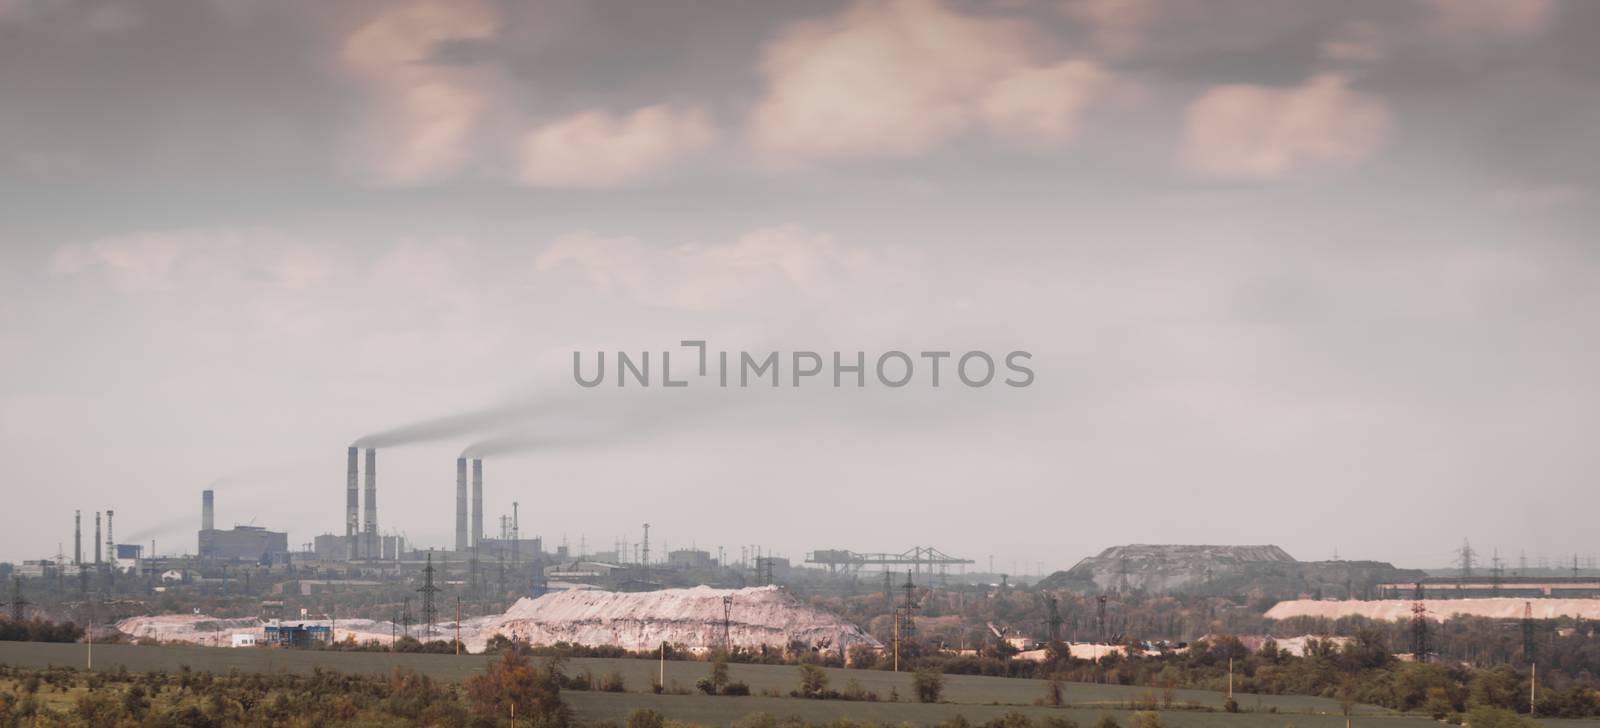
x,y
1419,625
430,613
727,623
18,603
909,629
1055,618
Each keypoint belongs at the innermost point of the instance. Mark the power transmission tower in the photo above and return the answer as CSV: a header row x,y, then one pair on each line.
x,y
909,629
1419,625
1055,619
1466,555
727,623
1100,616
18,604
429,613
1498,572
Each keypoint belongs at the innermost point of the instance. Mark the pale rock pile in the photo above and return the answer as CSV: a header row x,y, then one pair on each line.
x,y
758,617
692,618
1439,609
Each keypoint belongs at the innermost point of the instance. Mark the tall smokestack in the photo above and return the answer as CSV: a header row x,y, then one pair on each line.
x,y
97,538
371,549
77,538
111,542
208,510
477,501
352,503
461,505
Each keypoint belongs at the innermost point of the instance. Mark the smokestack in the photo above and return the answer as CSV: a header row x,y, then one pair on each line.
x,y
477,501
77,538
352,504
461,505
97,538
111,543
208,511
371,550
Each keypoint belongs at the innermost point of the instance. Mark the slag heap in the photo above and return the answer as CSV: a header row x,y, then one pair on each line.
x,y
757,617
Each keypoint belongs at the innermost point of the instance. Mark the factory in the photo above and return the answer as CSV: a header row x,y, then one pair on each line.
x,y
241,543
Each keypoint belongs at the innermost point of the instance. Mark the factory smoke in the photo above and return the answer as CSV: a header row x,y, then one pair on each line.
x,y
497,417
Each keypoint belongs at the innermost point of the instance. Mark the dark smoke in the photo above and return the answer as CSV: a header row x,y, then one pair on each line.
x,y
465,423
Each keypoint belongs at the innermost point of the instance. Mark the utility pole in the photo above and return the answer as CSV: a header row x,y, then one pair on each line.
x,y
458,626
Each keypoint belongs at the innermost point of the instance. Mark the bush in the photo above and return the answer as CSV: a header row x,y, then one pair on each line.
x,y
1146,719
645,718
813,681
1487,717
929,685
1107,721
736,688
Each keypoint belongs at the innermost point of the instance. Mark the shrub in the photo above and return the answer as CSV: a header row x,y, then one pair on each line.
x,y
1146,719
645,718
929,685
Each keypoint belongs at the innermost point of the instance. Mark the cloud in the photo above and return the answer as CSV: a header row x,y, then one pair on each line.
x,y
1356,41
597,149
896,78
159,261
1044,103
787,263
1474,21
420,128
1243,131
1540,198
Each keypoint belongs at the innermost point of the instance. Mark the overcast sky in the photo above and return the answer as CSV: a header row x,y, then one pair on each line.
x,y
1318,274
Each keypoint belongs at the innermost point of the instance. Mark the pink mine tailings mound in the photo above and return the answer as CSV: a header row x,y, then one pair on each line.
x,y
1440,609
693,618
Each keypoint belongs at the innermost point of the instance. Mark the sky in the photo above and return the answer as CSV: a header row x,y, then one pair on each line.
x,y
1315,274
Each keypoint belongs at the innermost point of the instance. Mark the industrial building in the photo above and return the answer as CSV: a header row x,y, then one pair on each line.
x,y
241,543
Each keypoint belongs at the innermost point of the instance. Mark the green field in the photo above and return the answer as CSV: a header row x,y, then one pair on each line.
x,y
975,697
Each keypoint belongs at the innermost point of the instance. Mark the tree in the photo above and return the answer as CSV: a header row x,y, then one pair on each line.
x,y
719,675
1146,719
813,681
929,684
513,681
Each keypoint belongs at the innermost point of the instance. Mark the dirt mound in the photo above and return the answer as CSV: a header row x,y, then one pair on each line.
x,y
757,617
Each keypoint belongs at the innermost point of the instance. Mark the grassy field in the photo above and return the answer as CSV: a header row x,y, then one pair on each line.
x,y
975,697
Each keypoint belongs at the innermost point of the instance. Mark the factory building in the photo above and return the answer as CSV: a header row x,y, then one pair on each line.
x,y
333,547
690,559
244,543
241,543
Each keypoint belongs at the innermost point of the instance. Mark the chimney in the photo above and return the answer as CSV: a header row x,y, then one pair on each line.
x,y
77,537
97,538
461,505
208,511
477,501
111,543
371,549
352,504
